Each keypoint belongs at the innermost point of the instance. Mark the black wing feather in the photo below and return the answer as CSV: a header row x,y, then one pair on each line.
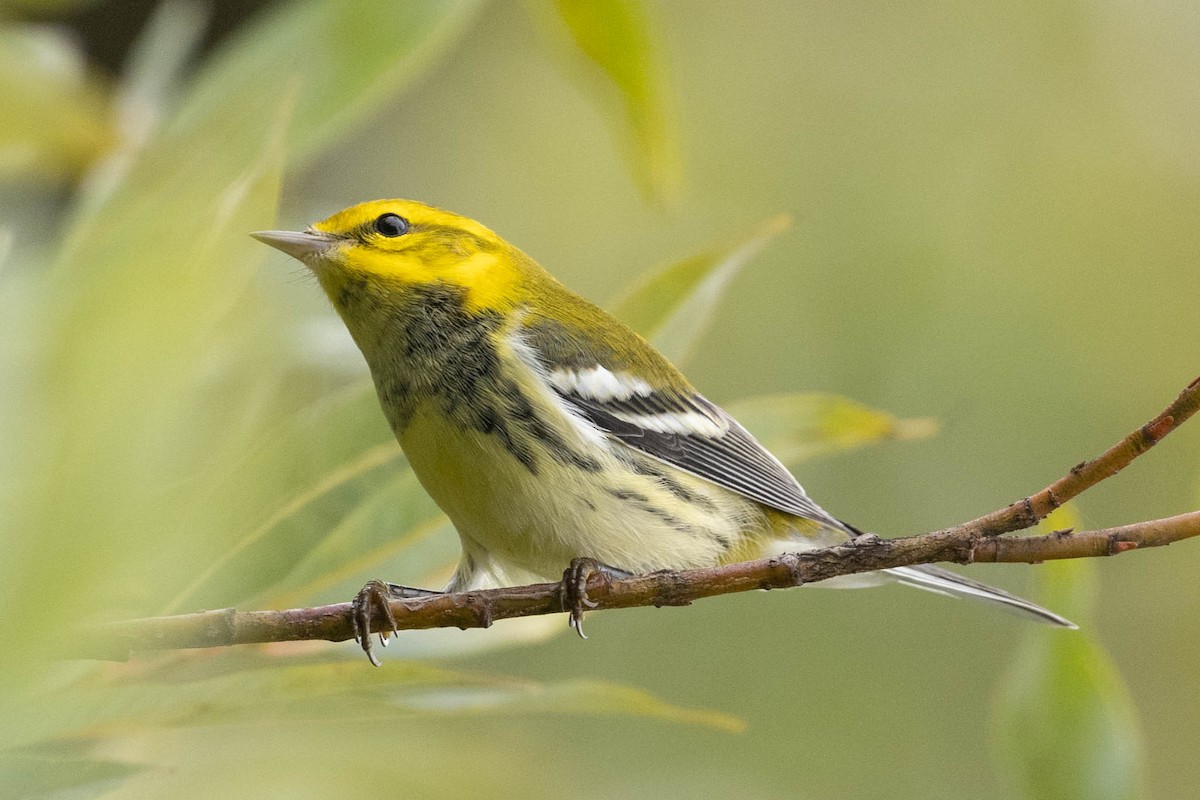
x,y
730,457
733,459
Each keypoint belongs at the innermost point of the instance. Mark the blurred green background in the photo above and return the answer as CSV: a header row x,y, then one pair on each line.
x,y
995,225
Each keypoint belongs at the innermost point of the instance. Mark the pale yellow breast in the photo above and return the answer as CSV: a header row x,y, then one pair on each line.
x,y
513,519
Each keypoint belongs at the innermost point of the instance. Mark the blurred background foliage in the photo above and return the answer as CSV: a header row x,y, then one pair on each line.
x,y
994,240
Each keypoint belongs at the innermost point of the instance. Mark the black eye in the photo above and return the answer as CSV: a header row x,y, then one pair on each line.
x,y
391,225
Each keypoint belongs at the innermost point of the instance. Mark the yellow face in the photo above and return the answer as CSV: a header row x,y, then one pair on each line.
x,y
386,246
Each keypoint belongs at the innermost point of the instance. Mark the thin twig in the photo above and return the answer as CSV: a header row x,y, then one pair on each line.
x,y
977,540
1033,509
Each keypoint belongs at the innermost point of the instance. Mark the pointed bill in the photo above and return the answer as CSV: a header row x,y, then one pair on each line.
x,y
302,245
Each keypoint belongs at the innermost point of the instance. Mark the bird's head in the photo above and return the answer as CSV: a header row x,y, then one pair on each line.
x,y
382,250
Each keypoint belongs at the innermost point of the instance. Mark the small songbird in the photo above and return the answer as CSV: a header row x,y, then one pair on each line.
x,y
550,433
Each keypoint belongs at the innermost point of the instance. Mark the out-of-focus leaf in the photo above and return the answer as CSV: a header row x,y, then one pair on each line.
x,y
41,6
1066,727
152,76
56,118
136,353
571,697
326,62
384,534
154,69
341,58
616,37
673,306
796,427
325,458
253,686
375,756
6,242
265,688
57,770
289,510
159,358
128,706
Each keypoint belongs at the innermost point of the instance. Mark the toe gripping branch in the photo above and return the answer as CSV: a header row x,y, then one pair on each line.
x,y
371,612
370,606
572,592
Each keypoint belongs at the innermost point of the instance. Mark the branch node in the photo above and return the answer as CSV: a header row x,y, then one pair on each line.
x,y
482,607
1117,546
1052,497
792,562
1029,515
1157,429
1079,468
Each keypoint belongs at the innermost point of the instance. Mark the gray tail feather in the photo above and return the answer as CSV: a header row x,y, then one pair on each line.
x,y
944,581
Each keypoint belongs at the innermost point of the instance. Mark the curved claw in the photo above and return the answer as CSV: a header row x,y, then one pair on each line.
x,y
572,591
372,597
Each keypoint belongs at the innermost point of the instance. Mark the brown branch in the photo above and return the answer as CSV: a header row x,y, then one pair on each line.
x,y
977,540
1033,509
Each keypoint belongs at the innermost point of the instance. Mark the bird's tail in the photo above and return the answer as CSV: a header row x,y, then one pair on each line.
x,y
831,531
943,581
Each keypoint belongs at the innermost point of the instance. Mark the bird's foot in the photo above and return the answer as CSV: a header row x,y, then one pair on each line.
x,y
572,592
370,603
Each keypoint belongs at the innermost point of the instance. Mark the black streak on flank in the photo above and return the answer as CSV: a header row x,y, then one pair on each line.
x,y
643,466
525,417
450,359
642,503
625,494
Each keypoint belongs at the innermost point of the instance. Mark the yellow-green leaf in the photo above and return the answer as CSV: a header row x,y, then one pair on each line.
x,y
341,58
6,242
387,533
149,87
59,769
1066,727
796,427
567,697
41,6
136,356
56,117
616,37
297,518
264,684
310,68
123,712
672,307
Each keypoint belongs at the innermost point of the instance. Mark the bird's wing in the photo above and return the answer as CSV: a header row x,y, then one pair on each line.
x,y
669,421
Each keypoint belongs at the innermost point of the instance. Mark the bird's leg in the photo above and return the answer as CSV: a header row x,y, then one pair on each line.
x,y
374,598
572,592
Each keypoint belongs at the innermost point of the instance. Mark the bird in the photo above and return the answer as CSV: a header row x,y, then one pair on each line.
x,y
555,438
